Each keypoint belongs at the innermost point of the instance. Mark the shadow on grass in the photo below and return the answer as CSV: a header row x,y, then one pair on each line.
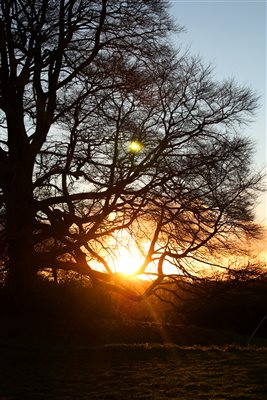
x,y
133,372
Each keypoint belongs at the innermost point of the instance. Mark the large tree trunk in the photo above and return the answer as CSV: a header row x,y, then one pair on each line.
x,y
20,220
18,194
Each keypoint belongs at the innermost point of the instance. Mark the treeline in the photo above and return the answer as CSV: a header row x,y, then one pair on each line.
x,y
74,308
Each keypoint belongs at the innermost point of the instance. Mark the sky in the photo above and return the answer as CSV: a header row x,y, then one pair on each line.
x,y
231,35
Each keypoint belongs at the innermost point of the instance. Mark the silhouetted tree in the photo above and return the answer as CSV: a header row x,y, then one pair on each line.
x,y
105,130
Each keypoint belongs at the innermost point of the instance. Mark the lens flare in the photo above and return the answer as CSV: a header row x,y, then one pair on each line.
x,y
135,146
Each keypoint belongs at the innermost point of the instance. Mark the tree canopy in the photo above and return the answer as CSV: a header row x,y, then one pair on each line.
x,y
108,133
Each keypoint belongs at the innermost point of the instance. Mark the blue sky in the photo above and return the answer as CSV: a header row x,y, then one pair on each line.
x,y
231,35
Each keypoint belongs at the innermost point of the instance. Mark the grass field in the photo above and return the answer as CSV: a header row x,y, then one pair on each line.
x,y
132,372
65,347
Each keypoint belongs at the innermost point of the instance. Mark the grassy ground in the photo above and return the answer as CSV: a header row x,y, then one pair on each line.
x,y
60,349
132,372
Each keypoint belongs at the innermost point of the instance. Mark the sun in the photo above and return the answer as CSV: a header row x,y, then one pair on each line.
x,y
127,257
127,261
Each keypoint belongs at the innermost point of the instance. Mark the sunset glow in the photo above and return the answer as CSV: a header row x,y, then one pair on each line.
x,y
127,261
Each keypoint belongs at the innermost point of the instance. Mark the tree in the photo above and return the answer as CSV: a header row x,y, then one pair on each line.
x,y
106,131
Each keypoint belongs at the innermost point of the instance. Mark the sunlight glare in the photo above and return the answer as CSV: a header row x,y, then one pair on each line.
x,y
126,257
128,261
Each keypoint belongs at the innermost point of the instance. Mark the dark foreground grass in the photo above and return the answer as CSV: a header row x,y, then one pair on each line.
x,y
58,347
132,372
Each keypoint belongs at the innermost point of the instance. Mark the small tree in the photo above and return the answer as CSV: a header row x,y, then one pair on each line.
x,y
106,130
